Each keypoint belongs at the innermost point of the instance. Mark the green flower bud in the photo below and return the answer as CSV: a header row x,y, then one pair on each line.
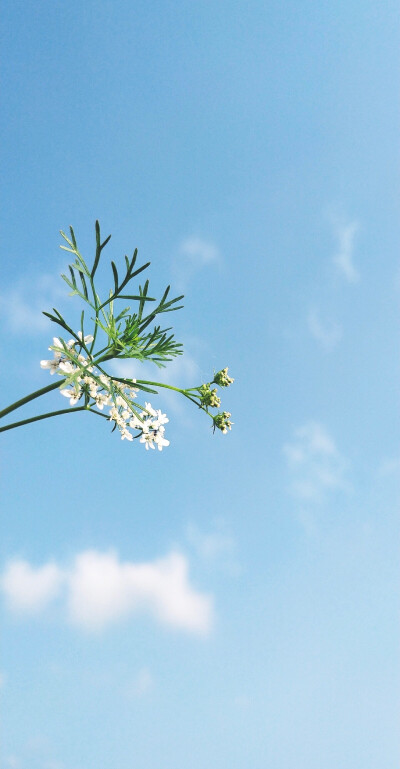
x,y
223,422
208,397
222,379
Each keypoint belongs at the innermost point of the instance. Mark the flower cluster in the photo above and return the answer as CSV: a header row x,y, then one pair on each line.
x,y
66,360
209,397
149,422
100,390
223,422
222,379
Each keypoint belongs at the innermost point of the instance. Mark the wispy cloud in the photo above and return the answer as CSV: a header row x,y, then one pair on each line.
x,y
99,589
389,466
343,259
193,255
328,335
316,466
12,762
215,546
22,306
141,685
199,251
210,545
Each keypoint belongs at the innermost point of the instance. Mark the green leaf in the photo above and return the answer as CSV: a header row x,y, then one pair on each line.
x,y
73,237
115,273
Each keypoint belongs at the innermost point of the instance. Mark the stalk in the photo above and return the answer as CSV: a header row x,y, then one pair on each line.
x,y
31,397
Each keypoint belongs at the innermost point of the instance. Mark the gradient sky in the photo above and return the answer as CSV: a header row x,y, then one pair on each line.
x,y
229,603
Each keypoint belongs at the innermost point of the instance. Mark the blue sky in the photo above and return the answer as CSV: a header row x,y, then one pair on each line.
x,y
230,602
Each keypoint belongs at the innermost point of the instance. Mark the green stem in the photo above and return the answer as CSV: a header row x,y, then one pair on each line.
x,y
51,414
169,387
31,397
41,416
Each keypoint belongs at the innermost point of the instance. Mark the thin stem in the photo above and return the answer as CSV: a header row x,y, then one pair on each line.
x,y
51,414
31,397
170,387
42,416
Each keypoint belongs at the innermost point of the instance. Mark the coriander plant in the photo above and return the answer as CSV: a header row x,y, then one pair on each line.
x,y
80,358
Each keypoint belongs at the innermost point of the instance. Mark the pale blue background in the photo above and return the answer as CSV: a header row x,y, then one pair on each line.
x,y
264,129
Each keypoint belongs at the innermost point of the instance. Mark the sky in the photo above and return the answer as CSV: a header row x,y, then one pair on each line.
x,y
231,601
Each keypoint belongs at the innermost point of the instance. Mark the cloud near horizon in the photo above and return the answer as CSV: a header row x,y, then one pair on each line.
x,y
99,589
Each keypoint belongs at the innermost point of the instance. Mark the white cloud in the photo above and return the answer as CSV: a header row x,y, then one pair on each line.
x,y
22,307
28,589
100,590
327,335
343,259
212,545
315,464
199,251
194,254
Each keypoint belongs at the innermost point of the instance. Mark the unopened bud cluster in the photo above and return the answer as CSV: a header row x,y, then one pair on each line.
x,y
222,379
209,398
223,422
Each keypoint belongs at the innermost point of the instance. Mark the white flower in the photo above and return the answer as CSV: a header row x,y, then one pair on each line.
x,y
126,435
83,360
54,364
160,441
153,436
87,339
50,364
67,367
92,387
148,440
149,410
72,394
57,343
102,400
161,419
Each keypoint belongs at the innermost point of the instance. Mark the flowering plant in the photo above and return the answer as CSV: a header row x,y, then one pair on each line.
x,y
117,334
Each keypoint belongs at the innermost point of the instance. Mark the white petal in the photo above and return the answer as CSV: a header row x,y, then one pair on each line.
x,y
67,392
